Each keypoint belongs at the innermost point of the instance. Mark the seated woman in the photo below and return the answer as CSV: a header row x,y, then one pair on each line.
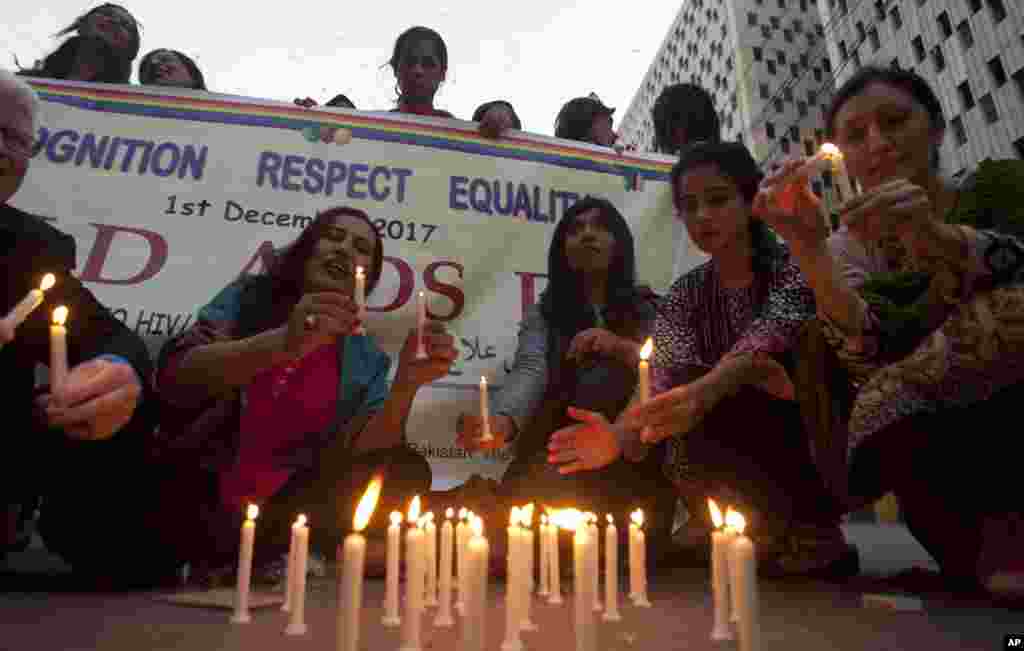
x,y
723,399
586,119
102,51
683,114
170,68
929,345
271,398
579,346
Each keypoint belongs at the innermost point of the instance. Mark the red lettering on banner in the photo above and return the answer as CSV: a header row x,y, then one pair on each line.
x,y
406,283
93,270
454,293
526,280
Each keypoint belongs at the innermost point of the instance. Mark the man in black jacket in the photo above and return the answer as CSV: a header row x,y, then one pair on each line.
x,y
77,452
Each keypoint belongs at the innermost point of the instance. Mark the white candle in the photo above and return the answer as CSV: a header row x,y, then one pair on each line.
x,y
360,298
528,566
583,603
31,301
513,617
391,618
728,536
474,631
611,572
421,323
58,350
462,536
430,555
353,558
545,579
719,575
289,575
413,619
241,614
485,411
593,551
444,612
554,569
641,560
645,370
297,622
743,563
840,177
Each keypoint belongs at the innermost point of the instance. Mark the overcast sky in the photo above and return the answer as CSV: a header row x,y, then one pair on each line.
x,y
535,53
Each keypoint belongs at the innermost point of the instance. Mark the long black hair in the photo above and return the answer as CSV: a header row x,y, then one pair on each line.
x,y
688,106
562,305
732,159
92,49
147,72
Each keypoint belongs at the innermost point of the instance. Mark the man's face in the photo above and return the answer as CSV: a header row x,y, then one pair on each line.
x,y
16,137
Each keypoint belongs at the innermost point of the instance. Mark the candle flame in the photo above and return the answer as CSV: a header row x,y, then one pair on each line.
x,y
735,520
611,520
647,349
252,512
478,526
301,520
449,512
513,516
414,509
463,513
831,152
359,270
716,514
637,517
527,514
367,504
396,518
570,519
49,280
429,516
60,315
483,382
543,518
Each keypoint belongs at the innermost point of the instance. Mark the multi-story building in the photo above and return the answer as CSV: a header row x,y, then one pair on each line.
x,y
764,61
970,51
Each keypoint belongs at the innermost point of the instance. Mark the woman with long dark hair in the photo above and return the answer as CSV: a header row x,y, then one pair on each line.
x,y
272,398
578,346
684,114
105,44
172,69
723,399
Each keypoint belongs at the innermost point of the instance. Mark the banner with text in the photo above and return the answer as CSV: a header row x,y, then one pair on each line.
x,y
171,196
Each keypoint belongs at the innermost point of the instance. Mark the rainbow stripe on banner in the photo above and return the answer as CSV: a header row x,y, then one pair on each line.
x,y
396,128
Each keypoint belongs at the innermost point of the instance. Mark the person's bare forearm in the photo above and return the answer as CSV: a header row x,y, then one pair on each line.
x,y
225,365
835,298
386,428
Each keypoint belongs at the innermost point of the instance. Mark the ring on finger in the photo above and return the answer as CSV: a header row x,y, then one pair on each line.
x,y
310,321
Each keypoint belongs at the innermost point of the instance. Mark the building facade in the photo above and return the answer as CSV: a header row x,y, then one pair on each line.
x,y
970,51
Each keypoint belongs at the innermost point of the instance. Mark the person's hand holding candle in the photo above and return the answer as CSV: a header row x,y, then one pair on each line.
x,y
96,400
441,354
470,427
786,203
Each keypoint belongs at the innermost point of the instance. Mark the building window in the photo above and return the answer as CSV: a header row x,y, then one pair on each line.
x,y
938,59
782,4
945,26
880,9
812,97
1019,146
819,30
751,18
817,74
966,96
766,32
787,35
856,59
959,133
798,26
843,54
771,67
784,145
963,30
861,32
826,65
794,134
787,93
995,68
918,46
778,105
998,10
781,56
794,69
975,5
805,61
895,63
803,6
1019,78
876,44
775,22
769,130
895,17
801,108
842,7
758,54
764,91
988,108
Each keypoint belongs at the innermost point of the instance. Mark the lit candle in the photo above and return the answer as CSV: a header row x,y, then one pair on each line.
x,y
545,579
720,541
611,572
644,372
421,323
526,519
58,350
513,618
353,559
729,534
840,176
554,570
290,570
391,618
640,599
31,301
583,605
241,615
593,556
475,631
360,298
297,621
743,564
485,411
444,612
430,531
462,535
412,622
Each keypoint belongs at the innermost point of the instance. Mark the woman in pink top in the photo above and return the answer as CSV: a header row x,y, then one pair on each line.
x,y
271,398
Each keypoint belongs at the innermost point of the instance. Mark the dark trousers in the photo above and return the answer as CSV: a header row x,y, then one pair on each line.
x,y
753,446
198,529
950,471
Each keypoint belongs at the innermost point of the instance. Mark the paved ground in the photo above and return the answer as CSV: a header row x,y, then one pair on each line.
x,y
796,615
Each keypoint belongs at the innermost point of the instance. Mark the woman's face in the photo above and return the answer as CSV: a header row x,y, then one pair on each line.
x,y
345,243
713,209
420,71
167,69
113,24
601,132
589,245
885,134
